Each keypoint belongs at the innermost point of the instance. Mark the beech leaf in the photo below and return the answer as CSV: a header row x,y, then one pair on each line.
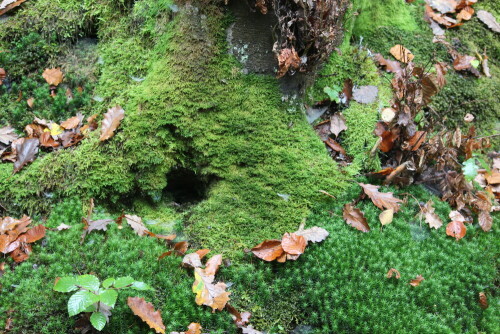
x,y
483,301
355,217
386,217
7,135
456,229
71,123
269,250
337,124
381,200
111,122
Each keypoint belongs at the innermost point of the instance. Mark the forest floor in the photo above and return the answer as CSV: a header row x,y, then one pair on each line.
x,y
145,168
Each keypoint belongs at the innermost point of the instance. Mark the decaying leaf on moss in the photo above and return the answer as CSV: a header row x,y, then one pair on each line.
x,y
355,217
147,313
111,122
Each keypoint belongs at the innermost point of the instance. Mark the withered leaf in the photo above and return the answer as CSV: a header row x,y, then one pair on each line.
x,y
33,234
7,135
71,123
365,94
240,319
456,216
465,14
337,124
137,225
401,53
269,250
207,293
488,19
335,146
431,217
443,6
111,122
485,220
456,229
392,272
63,226
193,328
416,281
386,217
213,264
147,313
313,234
26,152
354,217
293,244
483,301
53,76
390,65
94,225
46,140
388,138
191,260
463,62
381,200
7,5
202,252
417,140
287,59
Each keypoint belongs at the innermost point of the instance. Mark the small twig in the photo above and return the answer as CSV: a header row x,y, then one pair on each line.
x,y
327,194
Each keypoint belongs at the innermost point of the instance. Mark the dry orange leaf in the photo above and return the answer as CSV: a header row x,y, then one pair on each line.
x,y
416,281
53,76
392,272
213,264
207,293
401,53
293,244
269,250
417,140
456,229
465,14
355,217
431,217
202,252
111,122
71,123
483,301
147,313
288,58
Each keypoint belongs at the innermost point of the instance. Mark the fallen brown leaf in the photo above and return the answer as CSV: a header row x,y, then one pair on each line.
x,y
381,200
147,313
354,217
392,272
111,122
456,229
416,281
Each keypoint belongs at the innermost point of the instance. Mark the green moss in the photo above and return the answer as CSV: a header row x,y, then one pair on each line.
x,y
390,13
38,309
339,285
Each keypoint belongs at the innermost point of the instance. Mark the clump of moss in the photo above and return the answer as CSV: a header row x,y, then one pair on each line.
x,y
38,309
340,286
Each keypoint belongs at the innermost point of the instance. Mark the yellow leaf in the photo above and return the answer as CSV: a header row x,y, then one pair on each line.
x,y
55,129
386,217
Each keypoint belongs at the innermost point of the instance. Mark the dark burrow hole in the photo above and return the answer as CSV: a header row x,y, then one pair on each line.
x,y
186,187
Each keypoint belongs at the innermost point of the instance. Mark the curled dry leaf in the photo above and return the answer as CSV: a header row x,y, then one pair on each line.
x,y
456,229
46,140
240,319
401,53
63,226
483,301
355,217
53,76
147,313
111,122
202,252
416,281
381,200
269,250
468,118
456,216
293,244
392,272
390,65
7,5
287,59
431,217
